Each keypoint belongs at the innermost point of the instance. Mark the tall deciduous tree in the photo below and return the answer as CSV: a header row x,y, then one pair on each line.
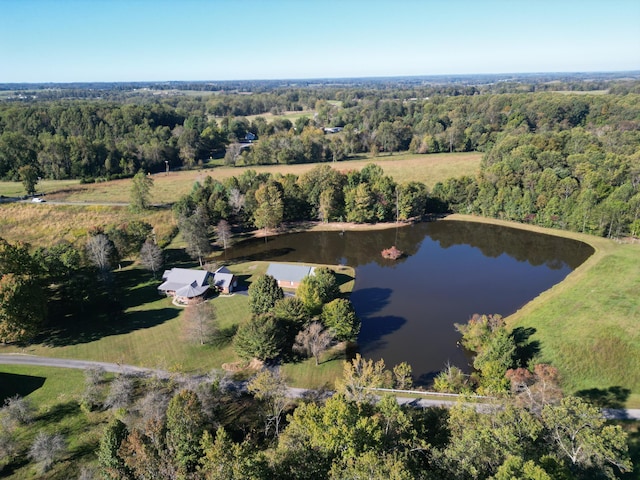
x,y
29,178
22,307
194,230
340,317
46,449
317,289
402,376
185,424
270,388
358,376
258,338
140,191
111,463
223,458
199,322
15,258
371,464
151,256
223,232
99,251
313,340
581,435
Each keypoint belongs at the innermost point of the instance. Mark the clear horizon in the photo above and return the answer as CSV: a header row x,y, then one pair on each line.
x,y
76,41
294,79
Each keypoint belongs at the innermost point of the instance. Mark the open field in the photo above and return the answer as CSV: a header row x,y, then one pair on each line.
x,y
43,224
292,116
588,325
403,167
16,189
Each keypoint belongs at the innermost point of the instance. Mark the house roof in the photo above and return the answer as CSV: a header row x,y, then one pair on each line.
x,y
289,273
177,279
191,290
223,280
186,276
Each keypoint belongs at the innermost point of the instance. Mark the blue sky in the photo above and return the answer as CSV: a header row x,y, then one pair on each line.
x,y
144,40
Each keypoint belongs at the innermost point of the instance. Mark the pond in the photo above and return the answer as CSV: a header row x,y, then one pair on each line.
x,y
450,270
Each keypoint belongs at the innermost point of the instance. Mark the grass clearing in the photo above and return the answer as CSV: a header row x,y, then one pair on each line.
x,y
403,167
16,189
587,325
44,224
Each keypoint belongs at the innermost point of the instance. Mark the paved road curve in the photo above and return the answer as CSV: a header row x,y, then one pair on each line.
x,y
24,359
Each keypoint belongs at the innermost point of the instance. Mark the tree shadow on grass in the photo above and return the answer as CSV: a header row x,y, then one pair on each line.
x,y
612,397
15,384
177,257
224,336
58,412
342,278
95,310
75,332
525,350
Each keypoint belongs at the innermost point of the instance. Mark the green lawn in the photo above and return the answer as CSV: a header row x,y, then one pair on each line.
x,y
152,337
55,396
588,326
590,330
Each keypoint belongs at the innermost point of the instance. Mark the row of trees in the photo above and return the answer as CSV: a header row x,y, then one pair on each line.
x,y
265,201
32,280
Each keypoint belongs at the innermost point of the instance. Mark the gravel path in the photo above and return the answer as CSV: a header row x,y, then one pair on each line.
x,y
24,359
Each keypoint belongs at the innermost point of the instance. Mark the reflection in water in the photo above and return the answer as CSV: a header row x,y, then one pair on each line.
x,y
450,271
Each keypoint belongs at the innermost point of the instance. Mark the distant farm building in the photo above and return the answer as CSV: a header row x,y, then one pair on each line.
x,y
289,276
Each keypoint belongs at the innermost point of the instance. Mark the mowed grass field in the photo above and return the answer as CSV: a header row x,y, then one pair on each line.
x,y
403,167
588,325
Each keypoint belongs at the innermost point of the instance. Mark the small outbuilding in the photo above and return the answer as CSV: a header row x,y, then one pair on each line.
x,y
224,280
287,275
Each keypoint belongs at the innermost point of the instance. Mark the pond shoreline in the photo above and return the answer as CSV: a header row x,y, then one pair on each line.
x,y
318,226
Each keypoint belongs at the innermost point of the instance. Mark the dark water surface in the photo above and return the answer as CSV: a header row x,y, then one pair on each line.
x,y
450,271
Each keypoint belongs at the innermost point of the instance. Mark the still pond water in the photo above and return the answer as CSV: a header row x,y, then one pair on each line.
x,y
450,271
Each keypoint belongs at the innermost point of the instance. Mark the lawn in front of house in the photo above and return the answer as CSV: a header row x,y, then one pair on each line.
x,y
151,331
